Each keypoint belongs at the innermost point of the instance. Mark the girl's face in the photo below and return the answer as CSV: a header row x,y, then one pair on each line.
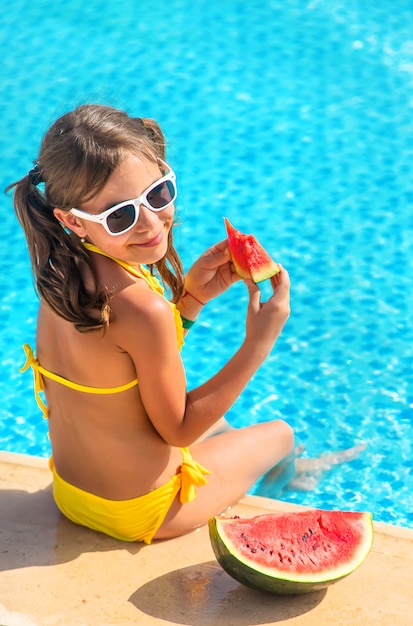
x,y
147,241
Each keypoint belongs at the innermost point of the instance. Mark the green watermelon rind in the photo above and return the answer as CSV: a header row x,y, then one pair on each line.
x,y
275,581
258,276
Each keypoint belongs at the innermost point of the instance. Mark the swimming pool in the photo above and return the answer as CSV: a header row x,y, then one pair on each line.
x,y
294,120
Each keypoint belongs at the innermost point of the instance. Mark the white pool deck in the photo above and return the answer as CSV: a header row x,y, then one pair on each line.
x,y
53,573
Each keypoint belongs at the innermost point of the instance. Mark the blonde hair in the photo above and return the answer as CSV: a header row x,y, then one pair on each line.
x,y
78,154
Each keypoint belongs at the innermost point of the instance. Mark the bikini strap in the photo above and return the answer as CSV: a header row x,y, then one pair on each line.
x,y
152,282
32,362
129,268
39,372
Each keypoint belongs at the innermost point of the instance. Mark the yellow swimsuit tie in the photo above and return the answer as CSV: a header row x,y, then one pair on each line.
x,y
32,362
192,475
39,371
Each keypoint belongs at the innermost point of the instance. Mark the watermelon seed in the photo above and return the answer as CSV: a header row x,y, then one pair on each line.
x,y
262,548
253,550
305,537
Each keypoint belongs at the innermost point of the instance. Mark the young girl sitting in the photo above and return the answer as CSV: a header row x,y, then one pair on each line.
x,y
133,454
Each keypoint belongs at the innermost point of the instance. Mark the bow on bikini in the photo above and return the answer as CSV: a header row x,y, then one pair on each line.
x,y
32,362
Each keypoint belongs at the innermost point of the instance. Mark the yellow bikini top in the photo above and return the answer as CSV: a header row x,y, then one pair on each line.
x,y
39,371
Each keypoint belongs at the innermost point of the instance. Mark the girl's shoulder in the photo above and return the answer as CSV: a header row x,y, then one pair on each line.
x,y
139,299
140,315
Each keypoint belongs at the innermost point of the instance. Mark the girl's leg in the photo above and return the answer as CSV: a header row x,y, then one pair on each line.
x,y
236,460
221,426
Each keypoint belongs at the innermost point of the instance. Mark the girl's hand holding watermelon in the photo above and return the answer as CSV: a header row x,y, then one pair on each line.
x,y
211,274
265,320
252,262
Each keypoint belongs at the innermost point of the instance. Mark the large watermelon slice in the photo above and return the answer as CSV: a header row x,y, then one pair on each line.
x,y
288,553
249,257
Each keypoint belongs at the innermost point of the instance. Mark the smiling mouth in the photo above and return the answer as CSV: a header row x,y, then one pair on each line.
x,y
153,242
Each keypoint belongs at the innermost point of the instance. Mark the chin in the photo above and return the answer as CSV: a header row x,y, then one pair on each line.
x,y
153,255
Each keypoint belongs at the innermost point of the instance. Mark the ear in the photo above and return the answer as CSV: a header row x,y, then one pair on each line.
x,y
70,221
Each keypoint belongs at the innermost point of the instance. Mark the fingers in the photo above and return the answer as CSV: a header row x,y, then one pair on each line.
x,y
220,245
253,292
251,286
280,279
280,284
215,256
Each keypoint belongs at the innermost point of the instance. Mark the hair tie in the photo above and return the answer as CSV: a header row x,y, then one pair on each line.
x,y
35,176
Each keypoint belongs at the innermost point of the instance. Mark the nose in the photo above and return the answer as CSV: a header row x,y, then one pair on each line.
x,y
147,218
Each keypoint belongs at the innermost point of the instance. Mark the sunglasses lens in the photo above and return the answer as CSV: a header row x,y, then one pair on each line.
x,y
121,219
161,195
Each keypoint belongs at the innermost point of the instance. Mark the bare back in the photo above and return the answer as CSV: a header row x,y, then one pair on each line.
x,y
90,432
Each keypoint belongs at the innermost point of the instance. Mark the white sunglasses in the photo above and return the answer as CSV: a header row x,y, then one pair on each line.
x,y
123,216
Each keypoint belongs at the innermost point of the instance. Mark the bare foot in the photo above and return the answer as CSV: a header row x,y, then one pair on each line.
x,y
309,472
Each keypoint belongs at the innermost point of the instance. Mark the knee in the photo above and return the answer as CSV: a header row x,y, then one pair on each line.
x,y
286,432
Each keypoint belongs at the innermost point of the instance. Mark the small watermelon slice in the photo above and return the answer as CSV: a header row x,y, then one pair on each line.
x,y
289,553
249,257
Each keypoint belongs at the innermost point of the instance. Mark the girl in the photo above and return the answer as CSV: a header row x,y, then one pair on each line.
x,y
130,455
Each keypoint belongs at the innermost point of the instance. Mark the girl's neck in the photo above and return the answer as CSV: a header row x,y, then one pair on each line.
x,y
132,269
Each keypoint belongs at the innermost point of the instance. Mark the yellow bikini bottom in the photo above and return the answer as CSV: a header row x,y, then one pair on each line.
x,y
136,519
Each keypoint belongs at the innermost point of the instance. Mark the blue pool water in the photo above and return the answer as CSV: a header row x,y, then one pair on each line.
x,y
295,120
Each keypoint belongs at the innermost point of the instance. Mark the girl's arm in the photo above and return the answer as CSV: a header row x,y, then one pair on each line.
x,y
149,336
265,322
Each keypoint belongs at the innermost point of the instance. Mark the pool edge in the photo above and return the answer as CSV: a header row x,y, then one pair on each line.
x,y
54,572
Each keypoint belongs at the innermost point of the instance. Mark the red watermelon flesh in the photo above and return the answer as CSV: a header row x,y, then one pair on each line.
x,y
288,553
249,257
